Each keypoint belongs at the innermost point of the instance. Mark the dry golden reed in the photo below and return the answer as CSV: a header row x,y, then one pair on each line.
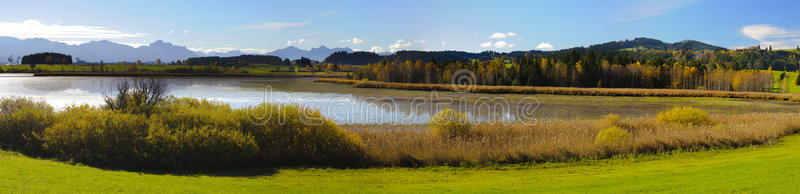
x,y
570,90
564,140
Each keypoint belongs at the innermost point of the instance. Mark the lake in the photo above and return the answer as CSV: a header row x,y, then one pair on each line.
x,y
347,105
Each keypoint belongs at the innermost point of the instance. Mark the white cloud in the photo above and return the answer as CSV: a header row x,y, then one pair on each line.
x,y
545,46
295,42
498,45
135,45
486,44
354,41
497,35
769,35
36,29
72,42
185,31
248,50
275,26
443,43
376,49
357,41
170,32
500,35
503,44
399,44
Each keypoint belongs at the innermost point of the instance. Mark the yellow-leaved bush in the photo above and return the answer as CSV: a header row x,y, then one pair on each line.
x,y
22,122
612,136
98,137
449,123
684,115
292,135
187,133
181,133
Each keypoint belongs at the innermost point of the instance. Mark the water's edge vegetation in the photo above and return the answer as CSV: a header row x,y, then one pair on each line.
x,y
631,92
132,132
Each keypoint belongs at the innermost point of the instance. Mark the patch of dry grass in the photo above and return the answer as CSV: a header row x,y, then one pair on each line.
x,y
336,81
569,90
564,140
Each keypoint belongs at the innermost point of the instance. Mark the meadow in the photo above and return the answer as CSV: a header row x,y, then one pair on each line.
x,y
769,169
786,85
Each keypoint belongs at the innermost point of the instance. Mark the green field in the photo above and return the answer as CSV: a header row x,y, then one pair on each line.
x,y
791,82
767,169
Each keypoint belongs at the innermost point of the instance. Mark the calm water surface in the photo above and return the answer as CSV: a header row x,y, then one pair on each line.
x,y
345,104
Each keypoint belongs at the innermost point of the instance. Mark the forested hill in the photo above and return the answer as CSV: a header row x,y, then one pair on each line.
x,y
650,43
443,56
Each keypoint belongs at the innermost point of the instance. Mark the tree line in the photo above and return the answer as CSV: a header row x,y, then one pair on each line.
x,y
727,70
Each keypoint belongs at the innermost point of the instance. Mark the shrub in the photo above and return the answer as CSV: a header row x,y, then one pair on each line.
x,y
191,133
22,122
204,148
449,123
189,113
97,137
611,120
684,115
612,136
293,135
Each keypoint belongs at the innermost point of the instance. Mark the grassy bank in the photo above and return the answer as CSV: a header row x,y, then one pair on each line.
x,y
764,169
570,91
790,79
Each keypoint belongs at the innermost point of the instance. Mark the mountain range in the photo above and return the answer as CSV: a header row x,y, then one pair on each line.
x,y
111,52
107,51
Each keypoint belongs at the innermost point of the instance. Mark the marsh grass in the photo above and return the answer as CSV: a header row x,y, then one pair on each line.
x,y
570,90
566,140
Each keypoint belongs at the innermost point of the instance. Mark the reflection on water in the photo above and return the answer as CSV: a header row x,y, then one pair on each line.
x,y
344,104
61,92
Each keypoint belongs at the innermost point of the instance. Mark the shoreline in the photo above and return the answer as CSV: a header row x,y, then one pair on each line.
x,y
627,92
164,74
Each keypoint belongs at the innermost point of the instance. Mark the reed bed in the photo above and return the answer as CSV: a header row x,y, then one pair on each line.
x,y
569,90
336,81
565,140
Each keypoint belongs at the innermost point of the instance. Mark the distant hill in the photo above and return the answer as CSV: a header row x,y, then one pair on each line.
x,y
317,54
236,60
650,43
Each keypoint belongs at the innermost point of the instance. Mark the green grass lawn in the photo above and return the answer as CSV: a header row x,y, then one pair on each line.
x,y
791,82
767,169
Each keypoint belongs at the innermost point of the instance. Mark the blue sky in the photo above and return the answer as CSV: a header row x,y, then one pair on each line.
x,y
259,26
